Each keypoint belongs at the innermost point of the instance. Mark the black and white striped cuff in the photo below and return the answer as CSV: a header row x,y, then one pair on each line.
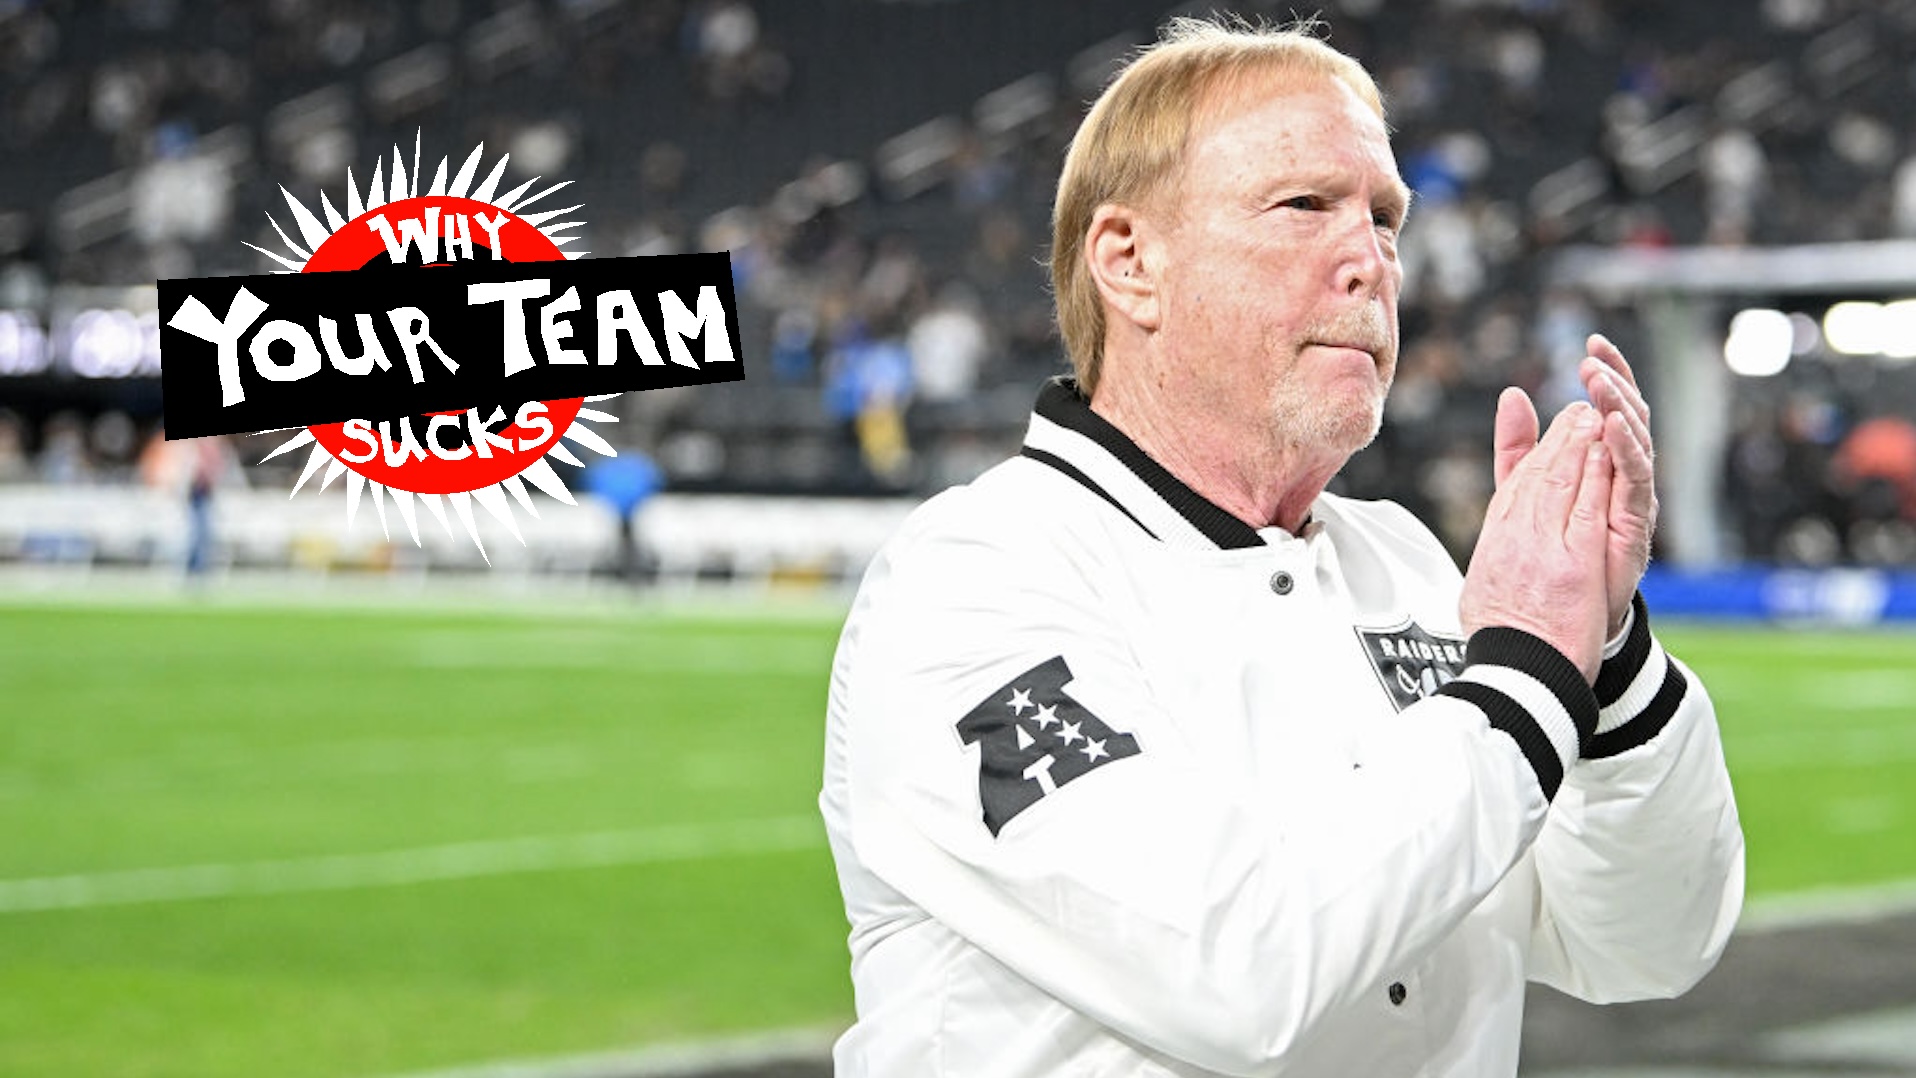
x,y
1638,690
1530,691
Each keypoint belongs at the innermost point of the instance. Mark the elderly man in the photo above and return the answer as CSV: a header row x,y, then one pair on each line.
x,y
1145,756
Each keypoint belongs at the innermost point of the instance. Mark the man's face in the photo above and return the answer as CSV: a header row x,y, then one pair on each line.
x,y
1281,275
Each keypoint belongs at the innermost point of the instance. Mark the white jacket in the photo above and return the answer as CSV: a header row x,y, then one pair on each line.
x,y
1120,786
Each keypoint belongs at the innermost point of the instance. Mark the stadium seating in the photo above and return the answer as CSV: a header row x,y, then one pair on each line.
x,y
859,158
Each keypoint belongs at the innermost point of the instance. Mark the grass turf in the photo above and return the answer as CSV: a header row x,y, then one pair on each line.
x,y
166,736
1820,732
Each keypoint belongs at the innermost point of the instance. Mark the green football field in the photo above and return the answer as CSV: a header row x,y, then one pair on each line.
x,y
355,842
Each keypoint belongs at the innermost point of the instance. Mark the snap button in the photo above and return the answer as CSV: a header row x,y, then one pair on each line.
x,y
1281,582
1397,993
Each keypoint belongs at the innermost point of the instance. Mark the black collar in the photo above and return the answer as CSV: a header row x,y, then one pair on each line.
x,y
1061,405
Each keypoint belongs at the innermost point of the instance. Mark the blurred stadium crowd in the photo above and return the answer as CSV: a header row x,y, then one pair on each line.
x,y
882,174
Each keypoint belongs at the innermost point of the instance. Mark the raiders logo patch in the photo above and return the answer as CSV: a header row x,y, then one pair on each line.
x,y
1411,661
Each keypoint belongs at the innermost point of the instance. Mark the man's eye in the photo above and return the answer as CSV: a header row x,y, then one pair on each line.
x,y
1385,220
1300,202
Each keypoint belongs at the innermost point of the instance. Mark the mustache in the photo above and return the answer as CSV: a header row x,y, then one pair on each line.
x,y
1364,327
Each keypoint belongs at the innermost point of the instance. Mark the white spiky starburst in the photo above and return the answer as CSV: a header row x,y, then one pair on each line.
x,y
490,498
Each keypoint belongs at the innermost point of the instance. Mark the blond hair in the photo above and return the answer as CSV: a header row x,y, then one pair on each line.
x,y
1132,143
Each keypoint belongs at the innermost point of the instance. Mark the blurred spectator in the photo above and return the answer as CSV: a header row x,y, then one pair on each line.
x,y
1563,328
64,460
894,277
122,98
736,231
625,483
979,178
722,38
1863,142
1875,466
112,440
1755,490
1779,486
208,456
656,235
723,32
544,148
180,195
13,450
1517,56
194,469
1457,484
29,38
793,335
1000,249
868,386
662,170
948,344
1638,225
1427,376
1415,89
1443,264
1795,15
1736,177
1643,82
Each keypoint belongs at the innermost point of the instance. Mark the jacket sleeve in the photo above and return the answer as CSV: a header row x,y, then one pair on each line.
x,y
1151,893
1640,865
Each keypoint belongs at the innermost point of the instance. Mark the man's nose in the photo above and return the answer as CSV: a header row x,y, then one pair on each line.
x,y
1366,258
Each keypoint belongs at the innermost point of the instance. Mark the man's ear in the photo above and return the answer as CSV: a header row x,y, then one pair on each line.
x,y
1122,255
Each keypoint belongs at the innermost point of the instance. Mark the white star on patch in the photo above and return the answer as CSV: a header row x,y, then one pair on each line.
x,y
1025,735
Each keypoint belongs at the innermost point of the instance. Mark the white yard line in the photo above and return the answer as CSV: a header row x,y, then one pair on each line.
x,y
544,596
669,842
1729,1070
677,1060
666,651
424,864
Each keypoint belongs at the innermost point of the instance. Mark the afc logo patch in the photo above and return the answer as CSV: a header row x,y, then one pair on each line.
x,y
1033,737
1411,661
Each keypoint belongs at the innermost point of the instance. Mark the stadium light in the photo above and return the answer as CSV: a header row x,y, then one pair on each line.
x,y
1898,330
1854,328
105,343
23,344
1759,343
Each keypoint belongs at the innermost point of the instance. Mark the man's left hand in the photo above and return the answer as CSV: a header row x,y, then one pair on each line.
x,y
1632,511
1612,387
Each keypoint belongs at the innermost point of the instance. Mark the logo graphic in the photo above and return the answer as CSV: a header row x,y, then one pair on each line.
x,y
1411,661
1033,739
462,348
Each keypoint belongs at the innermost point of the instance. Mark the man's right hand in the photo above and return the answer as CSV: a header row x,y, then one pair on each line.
x,y
1539,562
